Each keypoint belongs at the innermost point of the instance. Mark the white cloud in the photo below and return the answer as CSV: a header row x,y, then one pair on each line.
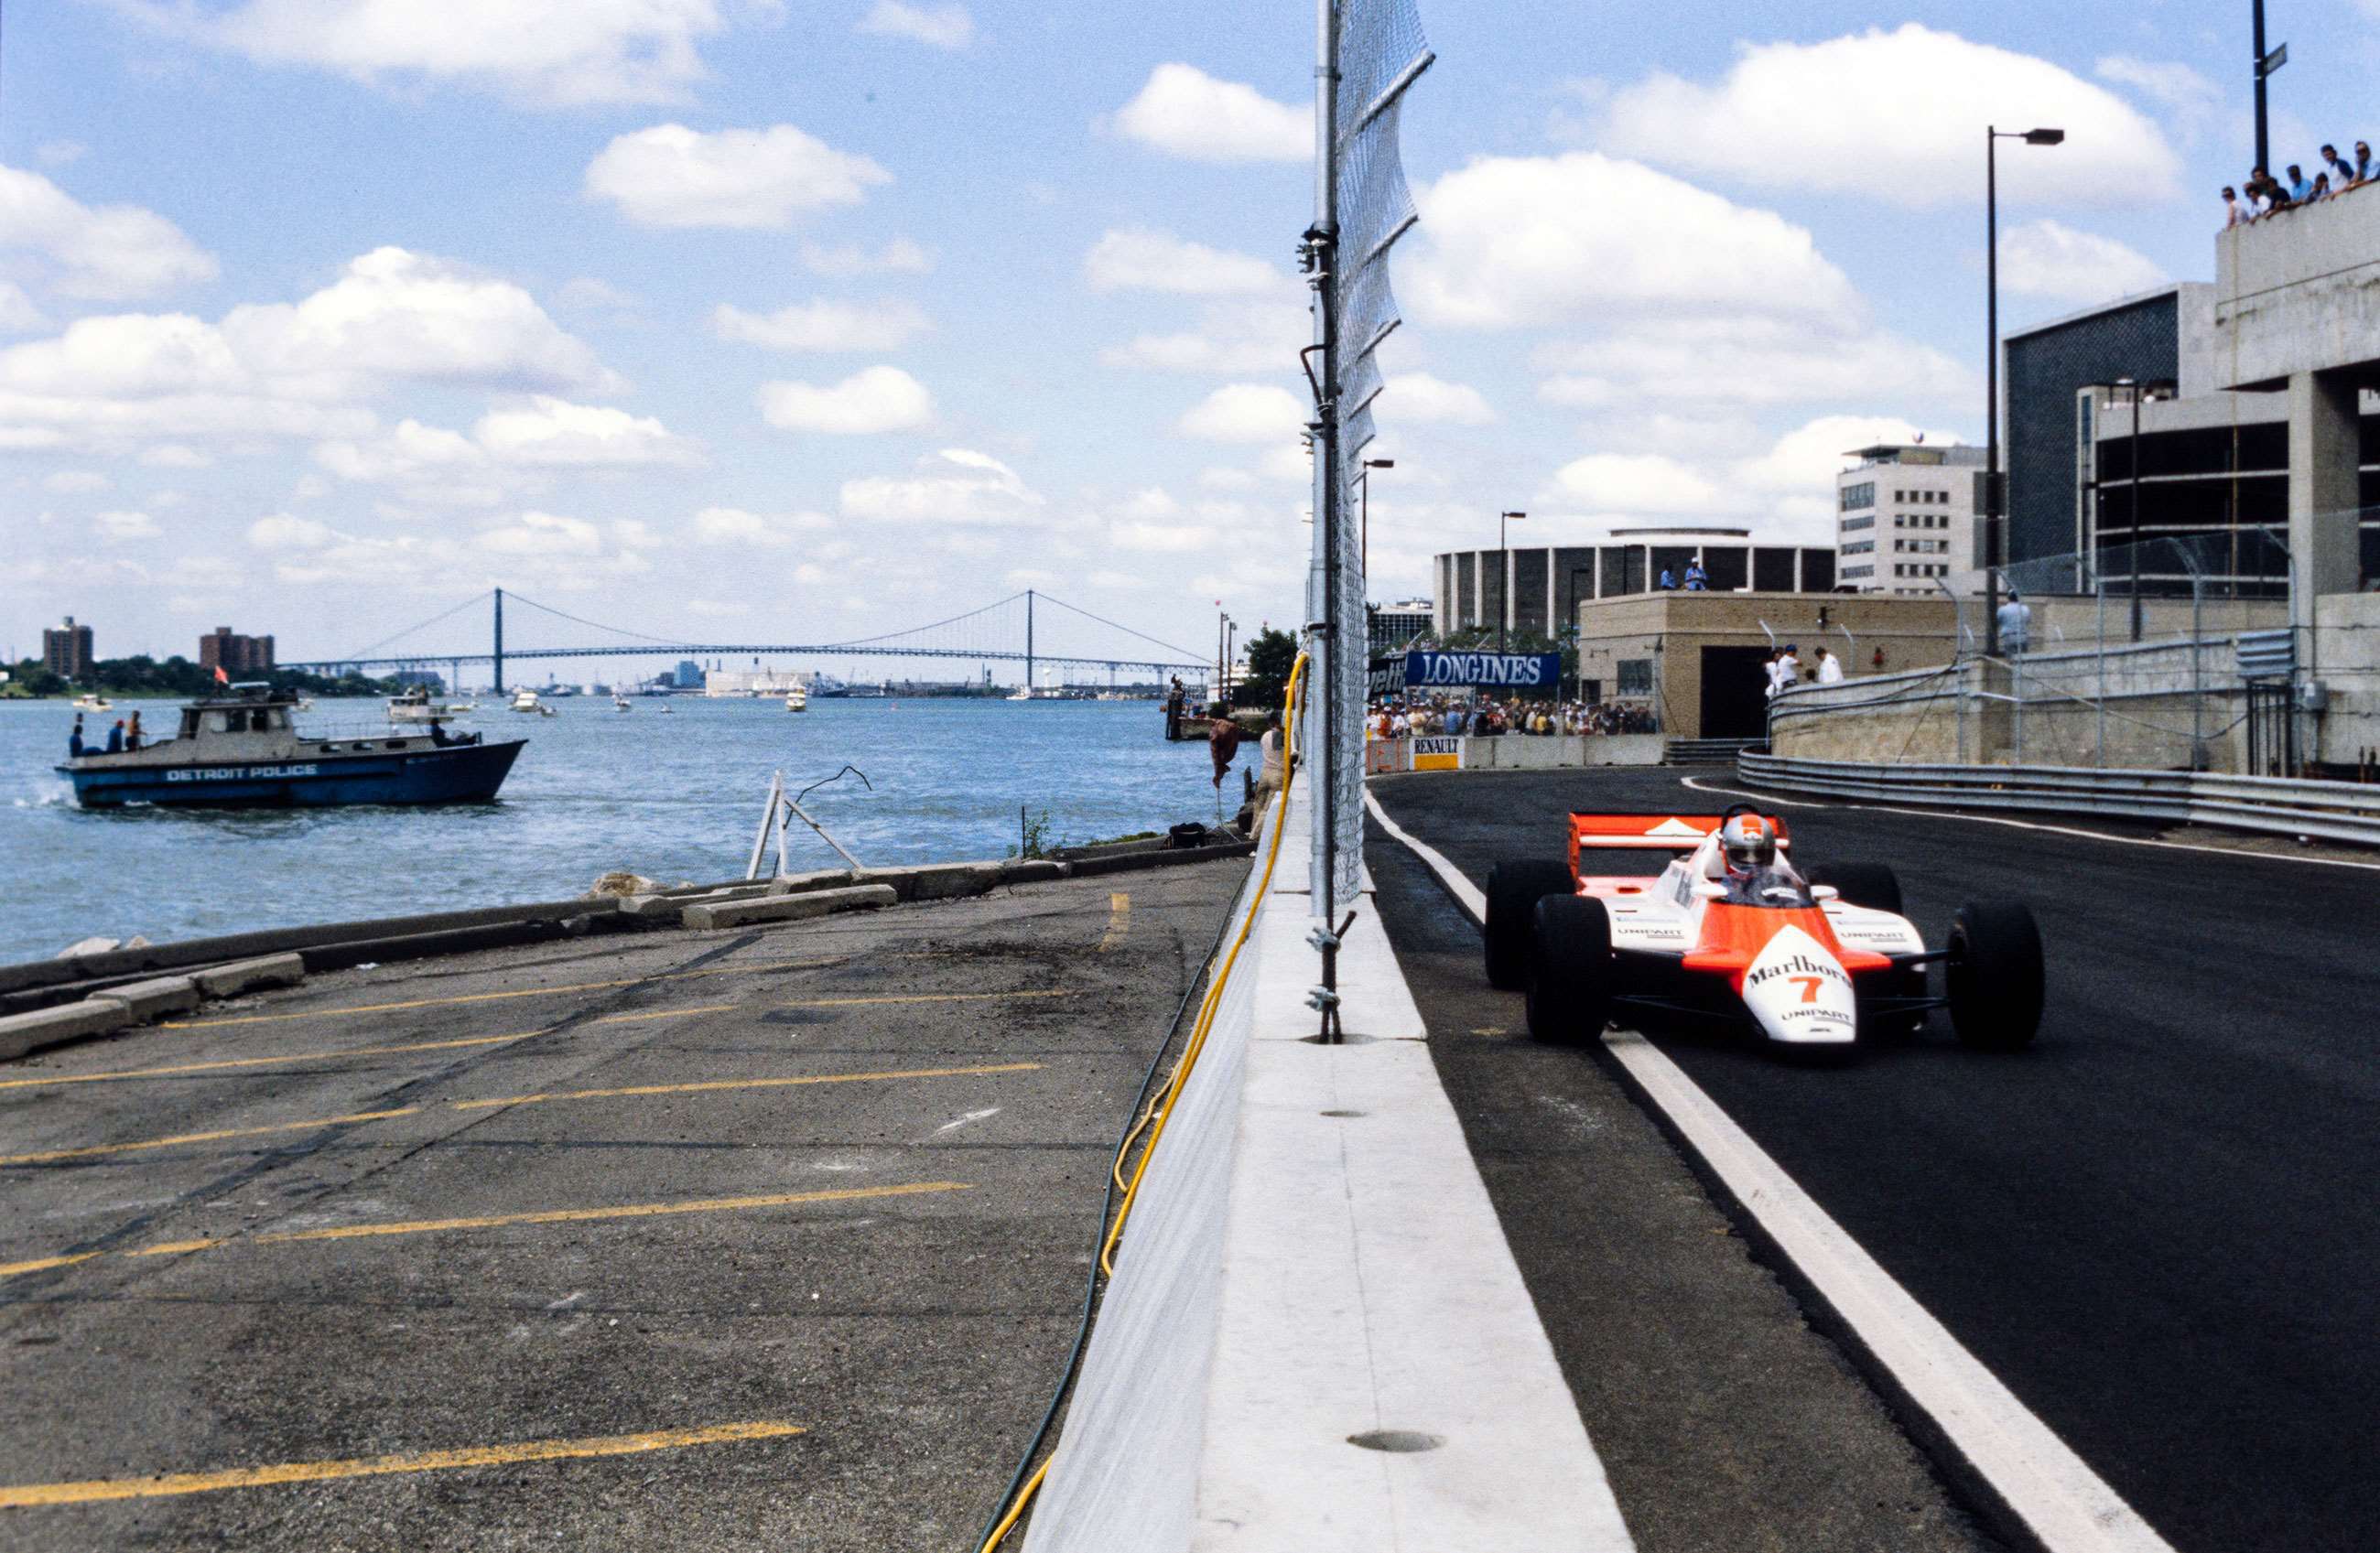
x,y
1741,361
1531,240
297,369
885,324
1232,338
1187,113
534,51
878,399
106,253
2045,259
59,153
74,482
1245,412
1806,459
1222,477
943,27
587,294
117,527
1896,117
551,432
1635,482
18,313
954,486
743,179
174,455
734,526
282,531
2188,95
1419,397
897,257
1137,258
541,533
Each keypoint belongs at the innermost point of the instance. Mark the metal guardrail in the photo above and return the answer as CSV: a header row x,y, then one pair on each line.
x,y
2337,811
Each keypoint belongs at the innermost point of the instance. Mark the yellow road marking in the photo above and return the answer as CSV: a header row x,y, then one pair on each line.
x,y
1119,921
663,1013
10,1270
501,1220
703,1086
714,1086
167,1484
496,997
179,1068
926,998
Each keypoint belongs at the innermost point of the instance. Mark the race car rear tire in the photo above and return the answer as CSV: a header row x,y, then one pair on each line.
x,y
1872,885
1993,976
1570,970
1514,888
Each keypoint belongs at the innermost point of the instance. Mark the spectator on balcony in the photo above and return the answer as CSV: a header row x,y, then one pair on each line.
x,y
1697,580
2299,190
2341,174
2232,212
2364,170
1668,583
2266,192
2321,187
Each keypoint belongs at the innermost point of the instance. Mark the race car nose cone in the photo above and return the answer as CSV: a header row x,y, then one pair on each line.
x,y
1798,992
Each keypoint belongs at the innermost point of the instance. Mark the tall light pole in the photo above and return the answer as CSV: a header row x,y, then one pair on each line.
x,y
1503,576
1366,478
2266,64
1995,517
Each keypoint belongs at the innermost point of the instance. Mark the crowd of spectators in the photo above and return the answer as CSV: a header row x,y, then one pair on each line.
x,y
1486,717
2266,195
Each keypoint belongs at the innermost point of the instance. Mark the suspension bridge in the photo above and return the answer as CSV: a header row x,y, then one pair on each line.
x,y
1020,629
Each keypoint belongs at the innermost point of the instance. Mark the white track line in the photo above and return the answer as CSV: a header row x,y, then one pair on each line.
x,y
2064,1503
2029,825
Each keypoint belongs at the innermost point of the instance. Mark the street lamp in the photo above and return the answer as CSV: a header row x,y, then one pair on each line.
x,y
1993,518
1503,576
1365,479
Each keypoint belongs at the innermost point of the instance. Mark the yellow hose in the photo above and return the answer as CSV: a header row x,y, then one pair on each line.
x,y
1163,1106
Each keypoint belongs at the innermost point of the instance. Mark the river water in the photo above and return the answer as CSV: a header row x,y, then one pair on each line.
x,y
673,797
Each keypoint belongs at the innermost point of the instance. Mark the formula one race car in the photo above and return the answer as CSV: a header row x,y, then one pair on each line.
x,y
1730,930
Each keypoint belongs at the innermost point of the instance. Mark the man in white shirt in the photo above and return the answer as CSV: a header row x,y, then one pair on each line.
x,y
2016,624
1831,668
1788,669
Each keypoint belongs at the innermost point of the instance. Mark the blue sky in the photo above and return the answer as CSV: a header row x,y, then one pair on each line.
x,y
755,321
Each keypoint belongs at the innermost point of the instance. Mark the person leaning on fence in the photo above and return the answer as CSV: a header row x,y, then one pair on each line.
x,y
2232,215
1831,668
1274,770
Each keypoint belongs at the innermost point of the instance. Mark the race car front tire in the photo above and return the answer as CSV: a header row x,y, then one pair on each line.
x,y
1872,885
1514,888
1570,970
1993,976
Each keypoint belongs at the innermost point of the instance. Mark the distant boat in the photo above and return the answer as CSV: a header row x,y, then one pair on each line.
x,y
621,703
414,705
524,700
240,751
1022,693
93,701
668,710
798,700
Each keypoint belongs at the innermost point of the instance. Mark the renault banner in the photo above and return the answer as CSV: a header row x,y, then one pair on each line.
x,y
1518,674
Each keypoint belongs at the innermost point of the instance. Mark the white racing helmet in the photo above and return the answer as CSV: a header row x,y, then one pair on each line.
x,y
1749,842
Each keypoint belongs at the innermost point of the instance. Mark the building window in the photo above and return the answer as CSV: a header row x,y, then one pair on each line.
x,y
1853,572
1635,676
1855,497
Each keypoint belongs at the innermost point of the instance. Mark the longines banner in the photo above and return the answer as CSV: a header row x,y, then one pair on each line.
x,y
1388,677
1526,673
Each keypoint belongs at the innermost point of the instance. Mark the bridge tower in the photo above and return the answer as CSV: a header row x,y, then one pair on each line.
x,y
1028,641
500,641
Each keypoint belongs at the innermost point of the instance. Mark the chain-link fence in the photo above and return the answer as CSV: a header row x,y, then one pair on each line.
x,y
2169,654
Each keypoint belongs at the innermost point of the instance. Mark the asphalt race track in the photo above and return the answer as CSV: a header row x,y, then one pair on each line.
x,y
2156,1227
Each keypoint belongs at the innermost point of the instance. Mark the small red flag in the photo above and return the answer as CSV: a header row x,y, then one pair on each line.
x,y
221,677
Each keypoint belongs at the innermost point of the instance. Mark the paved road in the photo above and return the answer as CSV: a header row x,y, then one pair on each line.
x,y
554,1225
2157,1227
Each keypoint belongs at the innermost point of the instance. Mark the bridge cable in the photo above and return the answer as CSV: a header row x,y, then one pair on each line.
x,y
1115,626
921,630
597,624
418,625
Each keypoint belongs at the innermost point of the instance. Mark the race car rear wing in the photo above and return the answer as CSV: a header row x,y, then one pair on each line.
x,y
1648,832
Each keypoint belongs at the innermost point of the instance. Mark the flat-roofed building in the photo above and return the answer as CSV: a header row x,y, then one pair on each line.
x,y
225,648
66,650
1537,588
1905,519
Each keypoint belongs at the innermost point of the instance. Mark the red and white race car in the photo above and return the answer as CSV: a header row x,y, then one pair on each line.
x,y
1731,931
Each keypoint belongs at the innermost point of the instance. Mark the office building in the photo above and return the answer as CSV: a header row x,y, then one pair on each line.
x,y
227,649
66,650
1391,626
1537,588
1905,519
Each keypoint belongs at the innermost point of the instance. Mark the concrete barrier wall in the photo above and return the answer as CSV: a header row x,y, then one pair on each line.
x,y
2142,707
1511,752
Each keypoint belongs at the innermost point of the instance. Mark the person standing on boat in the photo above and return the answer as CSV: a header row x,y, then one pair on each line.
x,y
74,739
133,734
116,738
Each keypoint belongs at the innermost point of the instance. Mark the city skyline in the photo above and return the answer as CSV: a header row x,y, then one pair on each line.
x,y
724,321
